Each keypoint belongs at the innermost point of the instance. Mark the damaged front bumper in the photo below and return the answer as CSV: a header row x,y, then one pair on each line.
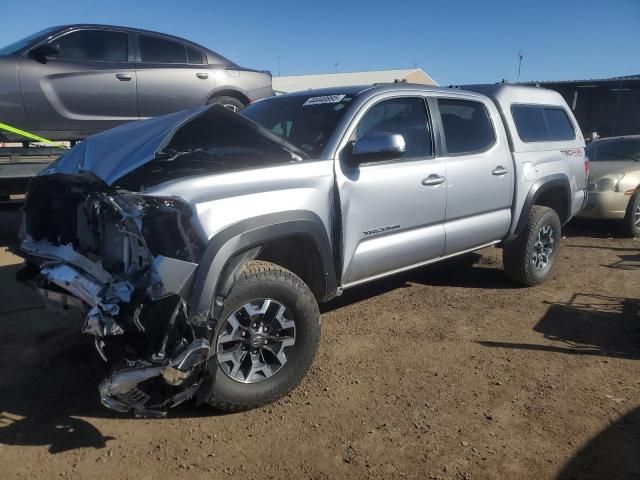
x,y
126,264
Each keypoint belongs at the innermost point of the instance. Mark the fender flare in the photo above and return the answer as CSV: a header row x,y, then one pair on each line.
x,y
229,250
541,186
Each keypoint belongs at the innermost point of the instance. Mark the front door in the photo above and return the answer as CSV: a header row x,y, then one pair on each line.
x,y
392,211
479,174
88,86
171,76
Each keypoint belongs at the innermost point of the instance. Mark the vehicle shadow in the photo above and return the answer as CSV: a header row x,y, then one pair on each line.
x,y
588,324
584,227
626,262
49,376
613,454
471,270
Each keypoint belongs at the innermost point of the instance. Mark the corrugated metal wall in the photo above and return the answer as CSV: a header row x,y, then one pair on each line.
x,y
611,108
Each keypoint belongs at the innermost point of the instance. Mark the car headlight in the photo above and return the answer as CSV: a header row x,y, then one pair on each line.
x,y
607,183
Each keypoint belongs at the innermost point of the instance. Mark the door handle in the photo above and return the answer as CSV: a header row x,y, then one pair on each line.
x,y
202,75
125,77
433,180
500,170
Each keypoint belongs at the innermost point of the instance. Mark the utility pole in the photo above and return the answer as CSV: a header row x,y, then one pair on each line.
x,y
336,65
278,65
520,57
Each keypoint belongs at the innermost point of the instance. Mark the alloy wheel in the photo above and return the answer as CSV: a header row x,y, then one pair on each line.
x,y
543,248
254,340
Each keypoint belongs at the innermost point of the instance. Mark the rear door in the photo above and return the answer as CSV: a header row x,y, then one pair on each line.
x,y
392,211
172,76
90,85
480,174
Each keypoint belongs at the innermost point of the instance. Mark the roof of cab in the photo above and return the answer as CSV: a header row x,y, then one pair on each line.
x,y
506,94
377,88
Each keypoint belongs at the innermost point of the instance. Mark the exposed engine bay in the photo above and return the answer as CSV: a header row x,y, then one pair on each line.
x,y
124,263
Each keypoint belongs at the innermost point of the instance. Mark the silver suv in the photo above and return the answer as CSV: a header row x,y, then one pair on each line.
x,y
197,245
68,82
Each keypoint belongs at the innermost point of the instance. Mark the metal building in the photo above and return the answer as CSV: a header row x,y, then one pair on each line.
x,y
305,82
609,106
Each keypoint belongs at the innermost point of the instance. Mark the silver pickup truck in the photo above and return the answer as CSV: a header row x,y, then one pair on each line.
x,y
197,245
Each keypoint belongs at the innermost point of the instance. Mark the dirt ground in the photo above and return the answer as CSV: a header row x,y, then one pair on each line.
x,y
447,372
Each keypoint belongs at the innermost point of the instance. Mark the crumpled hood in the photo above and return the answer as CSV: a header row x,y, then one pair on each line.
x,y
112,154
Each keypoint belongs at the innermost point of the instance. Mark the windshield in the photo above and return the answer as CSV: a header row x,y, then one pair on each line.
x,y
615,150
25,42
307,121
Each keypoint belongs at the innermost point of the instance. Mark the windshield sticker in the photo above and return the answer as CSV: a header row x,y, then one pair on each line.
x,y
322,100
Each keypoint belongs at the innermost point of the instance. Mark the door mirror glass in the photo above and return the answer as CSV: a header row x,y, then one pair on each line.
x,y
41,52
378,146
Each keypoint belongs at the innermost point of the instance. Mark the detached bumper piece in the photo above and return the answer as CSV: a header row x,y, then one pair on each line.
x,y
97,251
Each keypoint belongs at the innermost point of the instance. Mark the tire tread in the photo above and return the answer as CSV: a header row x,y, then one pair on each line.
x,y
514,255
256,273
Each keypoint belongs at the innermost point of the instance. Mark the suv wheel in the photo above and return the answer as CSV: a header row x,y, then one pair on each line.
x,y
266,339
631,222
231,103
530,257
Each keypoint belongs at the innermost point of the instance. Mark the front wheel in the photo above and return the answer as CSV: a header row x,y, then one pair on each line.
x,y
631,222
266,340
531,256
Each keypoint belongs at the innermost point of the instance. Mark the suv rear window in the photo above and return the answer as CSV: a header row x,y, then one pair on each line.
x,y
467,126
538,123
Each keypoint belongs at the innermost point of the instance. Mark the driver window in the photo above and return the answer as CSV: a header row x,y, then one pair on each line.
x,y
94,46
405,116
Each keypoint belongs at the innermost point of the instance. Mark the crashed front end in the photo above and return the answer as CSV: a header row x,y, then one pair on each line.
x,y
125,263
97,240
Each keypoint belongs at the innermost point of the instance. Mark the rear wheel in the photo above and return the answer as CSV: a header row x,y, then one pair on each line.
x,y
531,256
266,340
631,222
231,103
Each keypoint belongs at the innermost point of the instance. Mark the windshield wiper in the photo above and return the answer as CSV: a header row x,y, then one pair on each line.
x,y
171,155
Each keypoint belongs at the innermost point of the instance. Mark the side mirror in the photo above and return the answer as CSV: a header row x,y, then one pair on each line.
x,y
378,146
41,52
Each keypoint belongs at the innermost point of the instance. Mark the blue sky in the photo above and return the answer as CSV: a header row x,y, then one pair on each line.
x,y
459,41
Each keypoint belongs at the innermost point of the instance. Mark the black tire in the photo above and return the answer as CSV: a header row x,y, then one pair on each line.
x,y
264,280
629,227
518,254
231,103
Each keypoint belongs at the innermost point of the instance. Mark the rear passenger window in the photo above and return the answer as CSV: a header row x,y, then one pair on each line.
x,y
194,56
159,50
406,116
538,123
467,126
